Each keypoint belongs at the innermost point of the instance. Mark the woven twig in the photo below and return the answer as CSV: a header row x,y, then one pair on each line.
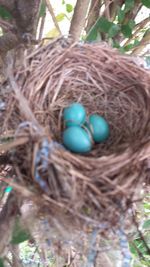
x,y
80,189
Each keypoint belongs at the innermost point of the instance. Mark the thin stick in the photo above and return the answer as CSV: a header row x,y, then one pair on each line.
x,y
50,9
24,106
41,27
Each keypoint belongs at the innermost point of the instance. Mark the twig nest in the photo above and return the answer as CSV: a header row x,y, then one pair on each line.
x,y
101,184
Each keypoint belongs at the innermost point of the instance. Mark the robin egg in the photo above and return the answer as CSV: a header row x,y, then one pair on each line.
x,y
74,115
99,128
77,140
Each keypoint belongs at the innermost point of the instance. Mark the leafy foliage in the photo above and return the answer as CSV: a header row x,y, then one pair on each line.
x,y
69,8
129,4
146,3
4,14
1,262
60,17
19,234
122,29
140,245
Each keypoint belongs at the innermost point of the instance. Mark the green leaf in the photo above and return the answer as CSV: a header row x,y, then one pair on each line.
x,y
53,33
42,9
60,17
113,31
129,5
136,42
121,15
131,23
138,246
133,249
116,44
104,25
4,13
146,224
19,234
132,45
147,205
92,35
63,2
145,262
69,8
126,30
121,49
1,262
146,3
128,47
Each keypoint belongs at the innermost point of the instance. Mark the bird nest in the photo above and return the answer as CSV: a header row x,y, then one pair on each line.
x,y
77,190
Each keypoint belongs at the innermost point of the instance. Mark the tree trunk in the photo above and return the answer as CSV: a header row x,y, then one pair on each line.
x,y
78,20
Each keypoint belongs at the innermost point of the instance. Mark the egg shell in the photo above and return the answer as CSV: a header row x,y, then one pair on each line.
x,y
74,115
77,140
99,128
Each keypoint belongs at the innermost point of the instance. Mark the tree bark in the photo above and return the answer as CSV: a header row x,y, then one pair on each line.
x,y
78,20
93,14
8,41
25,15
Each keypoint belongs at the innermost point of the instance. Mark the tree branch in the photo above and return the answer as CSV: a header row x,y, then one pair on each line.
x,y
93,14
138,28
78,20
5,25
145,40
50,9
25,14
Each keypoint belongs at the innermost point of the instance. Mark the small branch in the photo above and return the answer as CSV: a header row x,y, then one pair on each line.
x,y
79,18
6,25
138,27
23,103
93,14
41,27
8,260
16,262
50,9
145,41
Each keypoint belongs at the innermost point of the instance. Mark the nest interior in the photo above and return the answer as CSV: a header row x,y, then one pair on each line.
x,y
100,185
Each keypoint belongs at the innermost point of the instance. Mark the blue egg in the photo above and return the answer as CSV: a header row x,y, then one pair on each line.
x,y
77,140
74,115
99,128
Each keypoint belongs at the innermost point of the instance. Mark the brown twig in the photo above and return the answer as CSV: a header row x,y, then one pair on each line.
x,y
138,27
50,9
93,14
78,19
41,27
6,25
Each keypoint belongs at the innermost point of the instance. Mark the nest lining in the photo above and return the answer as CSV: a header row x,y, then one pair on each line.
x,y
96,186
